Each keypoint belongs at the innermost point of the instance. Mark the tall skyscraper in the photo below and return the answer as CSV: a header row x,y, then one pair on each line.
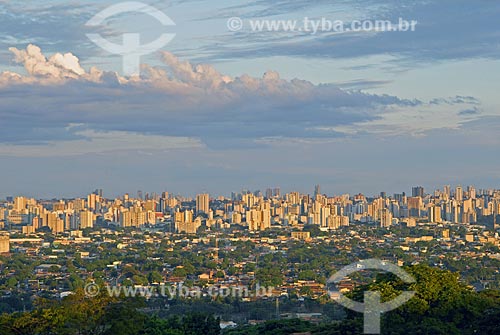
x,y
86,219
459,193
447,190
317,190
434,214
20,203
471,190
269,193
93,201
415,205
202,203
399,197
495,213
385,217
125,218
417,191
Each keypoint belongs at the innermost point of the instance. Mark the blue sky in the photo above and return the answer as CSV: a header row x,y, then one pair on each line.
x,y
219,111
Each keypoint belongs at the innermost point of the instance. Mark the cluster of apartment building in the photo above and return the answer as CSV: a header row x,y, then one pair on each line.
x,y
252,210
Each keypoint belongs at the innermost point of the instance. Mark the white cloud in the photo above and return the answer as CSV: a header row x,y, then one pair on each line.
x,y
59,65
181,102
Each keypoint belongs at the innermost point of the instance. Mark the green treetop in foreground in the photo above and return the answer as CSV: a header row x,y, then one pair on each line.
x,y
102,315
441,305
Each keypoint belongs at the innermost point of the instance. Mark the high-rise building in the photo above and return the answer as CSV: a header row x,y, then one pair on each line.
x,y
435,214
394,207
98,192
125,218
78,205
236,218
188,227
184,222
258,219
417,191
334,222
454,212
459,193
385,218
20,203
137,217
54,222
4,244
399,197
202,203
93,201
249,199
150,205
447,190
317,190
269,193
414,206
324,213
86,219
495,214
59,207
472,192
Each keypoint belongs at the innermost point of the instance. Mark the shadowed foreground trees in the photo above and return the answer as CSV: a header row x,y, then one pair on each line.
x,y
442,305
102,315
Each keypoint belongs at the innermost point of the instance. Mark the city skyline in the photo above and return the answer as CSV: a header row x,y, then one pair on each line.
x,y
253,211
180,255
347,110
263,190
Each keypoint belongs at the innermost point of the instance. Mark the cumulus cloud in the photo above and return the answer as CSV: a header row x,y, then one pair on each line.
x,y
59,65
202,75
190,102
